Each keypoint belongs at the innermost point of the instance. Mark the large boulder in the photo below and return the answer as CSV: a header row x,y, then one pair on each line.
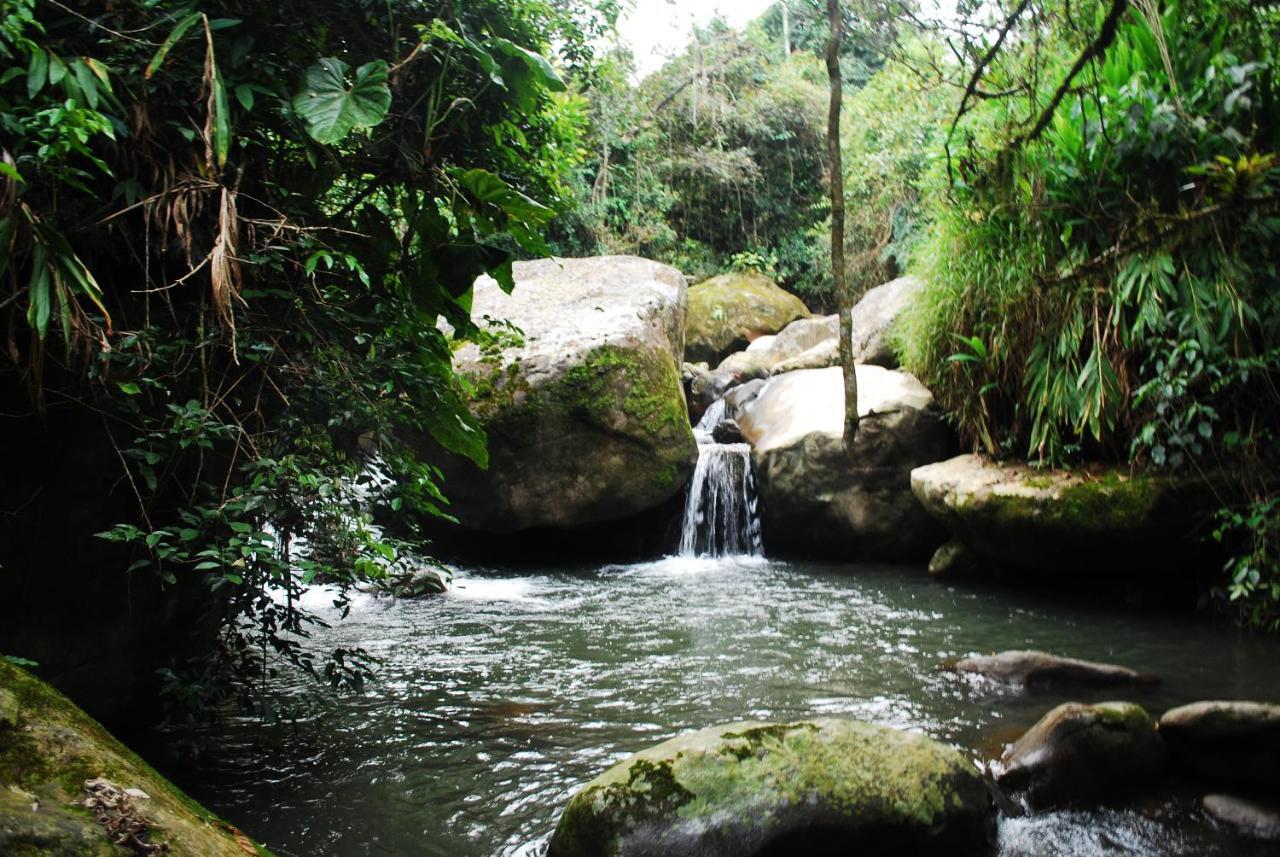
x,y
728,311
1101,521
585,416
817,787
1078,754
817,501
872,320
1227,741
1029,668
63,779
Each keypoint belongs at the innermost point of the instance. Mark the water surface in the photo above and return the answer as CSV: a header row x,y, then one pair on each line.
x,y
495,702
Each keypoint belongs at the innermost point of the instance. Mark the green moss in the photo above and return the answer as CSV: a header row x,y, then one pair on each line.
x,y
1109,503
58,747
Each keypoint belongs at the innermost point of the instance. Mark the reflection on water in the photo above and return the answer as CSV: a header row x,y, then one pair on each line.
x,y
496,701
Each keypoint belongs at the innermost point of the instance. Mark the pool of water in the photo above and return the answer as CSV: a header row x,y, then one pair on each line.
x,y
497,701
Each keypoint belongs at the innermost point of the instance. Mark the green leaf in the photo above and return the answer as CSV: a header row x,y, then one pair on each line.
x,y
37,72
244,94
57,69
221,119
332,108
489,189
543,73
178,32
88,84
129,388
39,304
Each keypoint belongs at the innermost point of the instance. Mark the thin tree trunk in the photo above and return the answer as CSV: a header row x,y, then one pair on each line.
x,y
844,300
786,31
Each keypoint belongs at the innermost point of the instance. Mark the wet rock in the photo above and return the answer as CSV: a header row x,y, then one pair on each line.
x,y
817,787
1078,754
737,400
585,416
1245,817
728,431
1227,741
1034,669
872,320
727,312
1096,522
815,500
953,559
52,749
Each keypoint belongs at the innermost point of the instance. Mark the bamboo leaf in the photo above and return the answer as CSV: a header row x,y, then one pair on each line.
x,y
178,32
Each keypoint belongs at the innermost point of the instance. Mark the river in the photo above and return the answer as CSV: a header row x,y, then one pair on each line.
x,y
496,701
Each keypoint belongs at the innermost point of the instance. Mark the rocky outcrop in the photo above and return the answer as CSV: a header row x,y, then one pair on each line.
x,y
1082,753
1245,817
817,501
1082,522
1226,741
63,778
814,787
585,415
727,312
872,320
1038,669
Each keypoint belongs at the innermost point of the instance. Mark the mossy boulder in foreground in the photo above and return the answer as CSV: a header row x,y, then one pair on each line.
x,y
728,311
50,750
584,411
825,786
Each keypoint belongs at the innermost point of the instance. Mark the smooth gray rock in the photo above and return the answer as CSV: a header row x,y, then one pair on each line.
x,y
872,320
1229,741
1246,817
1033,668
818,787
817,501
1078,754
586,417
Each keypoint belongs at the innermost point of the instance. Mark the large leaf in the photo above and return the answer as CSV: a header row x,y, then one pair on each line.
x,y
543,73
333,108
488,188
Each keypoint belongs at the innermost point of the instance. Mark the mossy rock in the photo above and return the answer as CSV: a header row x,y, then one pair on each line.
x,y
47,753
1077,755
824,786
1226,741
728,311
1088,521
585,416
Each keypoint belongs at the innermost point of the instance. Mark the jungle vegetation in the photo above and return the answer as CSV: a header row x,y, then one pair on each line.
x,y
227,230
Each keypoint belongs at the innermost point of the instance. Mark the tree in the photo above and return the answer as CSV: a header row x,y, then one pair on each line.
x,y
843,296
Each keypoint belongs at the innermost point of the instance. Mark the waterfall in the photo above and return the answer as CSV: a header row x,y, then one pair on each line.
x,y
720,516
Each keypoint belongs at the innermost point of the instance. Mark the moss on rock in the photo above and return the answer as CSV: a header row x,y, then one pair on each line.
x,y
743,788
45,759
728,311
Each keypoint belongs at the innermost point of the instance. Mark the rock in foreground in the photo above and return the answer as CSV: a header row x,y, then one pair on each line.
x,y
586,417
814,499
1037,669
1082,523
59,768
1082,753
818,787
727,312
1227,741
1246,817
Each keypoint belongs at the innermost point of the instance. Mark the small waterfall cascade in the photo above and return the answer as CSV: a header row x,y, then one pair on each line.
x,y
720,514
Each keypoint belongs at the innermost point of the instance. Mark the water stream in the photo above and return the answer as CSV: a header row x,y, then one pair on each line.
x,y
498,700
720,514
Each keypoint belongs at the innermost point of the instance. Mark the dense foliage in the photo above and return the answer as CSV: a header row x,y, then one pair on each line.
x,y
228,229
1101,267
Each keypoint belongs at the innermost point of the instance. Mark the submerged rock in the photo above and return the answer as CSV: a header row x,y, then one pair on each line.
x,y
1032,668
817,501
586,416
872,320
727,312
59,769
817,787
1079,754
953,559
1246,817
1228,741
1077,522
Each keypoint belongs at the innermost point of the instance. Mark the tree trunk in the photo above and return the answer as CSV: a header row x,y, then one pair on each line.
x,y
844,300
786,31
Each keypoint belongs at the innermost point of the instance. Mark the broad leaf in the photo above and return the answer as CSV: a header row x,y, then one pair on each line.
x,y
489,189
333,108
543,73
